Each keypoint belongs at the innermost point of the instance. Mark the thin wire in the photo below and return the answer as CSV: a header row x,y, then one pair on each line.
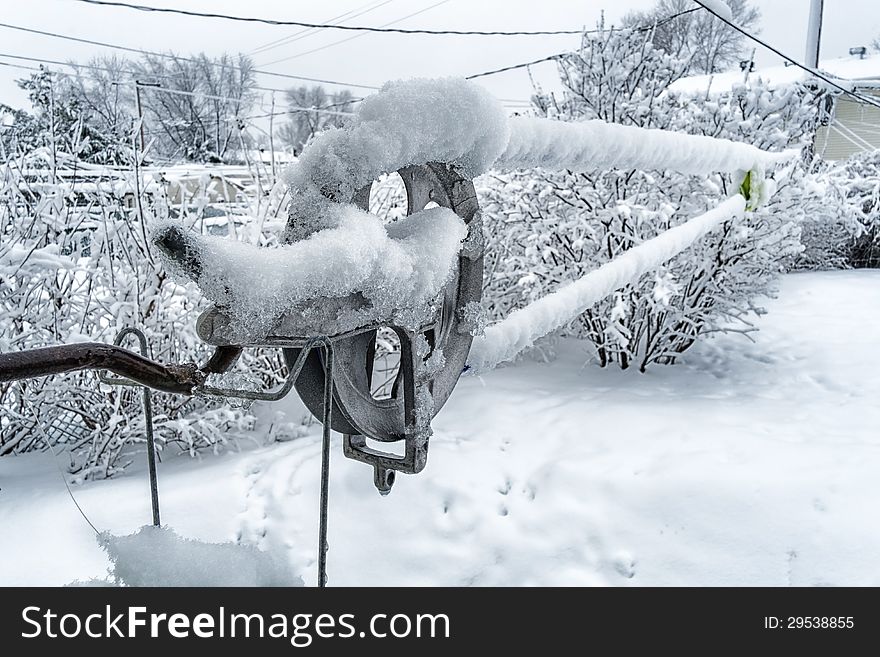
x,y
306,33
39,426
106,69
178,58
516,66
352,28
21,66
642,28
180,92
776,51
284,75
356,36
296,110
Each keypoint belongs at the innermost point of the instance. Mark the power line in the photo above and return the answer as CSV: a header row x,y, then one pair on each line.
x,y
287,75
114,46
296,110
21,66
516,66
305,33
95,67
356,36
199,94
180,92
814,73
328,26
642,28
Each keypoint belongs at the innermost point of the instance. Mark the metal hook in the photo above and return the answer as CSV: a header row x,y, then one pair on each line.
x,y
148,415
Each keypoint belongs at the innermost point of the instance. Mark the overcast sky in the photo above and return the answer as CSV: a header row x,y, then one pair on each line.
x,y
372,59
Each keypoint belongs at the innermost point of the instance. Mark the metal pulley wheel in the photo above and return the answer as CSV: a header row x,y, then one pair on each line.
x,y
358,410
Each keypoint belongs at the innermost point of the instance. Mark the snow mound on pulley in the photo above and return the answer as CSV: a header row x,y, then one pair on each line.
x,y
416,121
399,267
157,556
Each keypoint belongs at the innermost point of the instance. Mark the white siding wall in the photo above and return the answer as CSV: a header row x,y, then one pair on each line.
x,y
855,127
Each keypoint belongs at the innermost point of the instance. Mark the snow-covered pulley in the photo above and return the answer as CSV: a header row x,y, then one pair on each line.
x,y
432,356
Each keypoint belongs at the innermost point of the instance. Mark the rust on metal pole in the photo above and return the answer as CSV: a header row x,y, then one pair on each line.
x,y
34,363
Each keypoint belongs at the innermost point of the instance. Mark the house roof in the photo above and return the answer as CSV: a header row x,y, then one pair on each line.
x,y
853,69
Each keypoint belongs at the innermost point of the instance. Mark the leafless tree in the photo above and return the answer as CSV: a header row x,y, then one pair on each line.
x,y
304,123
710,44
197,109
101,93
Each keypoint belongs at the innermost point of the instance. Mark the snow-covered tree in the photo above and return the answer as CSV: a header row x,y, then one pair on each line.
x,y
302,124
198,112
62,120
547,228
76,264
709,44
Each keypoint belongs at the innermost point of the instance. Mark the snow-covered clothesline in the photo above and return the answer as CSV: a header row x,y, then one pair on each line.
x,y
458,122
509,337
595,145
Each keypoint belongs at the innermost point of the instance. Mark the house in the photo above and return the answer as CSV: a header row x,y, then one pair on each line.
x,y
851,127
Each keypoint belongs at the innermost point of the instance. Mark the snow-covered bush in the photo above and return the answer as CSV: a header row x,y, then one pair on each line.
x,y
76,265
862,192
840,207
546,228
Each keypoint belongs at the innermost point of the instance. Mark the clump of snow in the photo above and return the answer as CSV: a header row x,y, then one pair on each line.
x,y
597,145
509,337
403,264
718,7
36,260
157,556
233,380
475,318
434,363
408,122
424,410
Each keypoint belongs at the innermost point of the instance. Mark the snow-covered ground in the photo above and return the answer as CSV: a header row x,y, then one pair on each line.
x,y
747,464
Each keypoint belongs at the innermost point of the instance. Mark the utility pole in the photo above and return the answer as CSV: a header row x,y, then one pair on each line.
x,y
137,95
814,34
272,137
